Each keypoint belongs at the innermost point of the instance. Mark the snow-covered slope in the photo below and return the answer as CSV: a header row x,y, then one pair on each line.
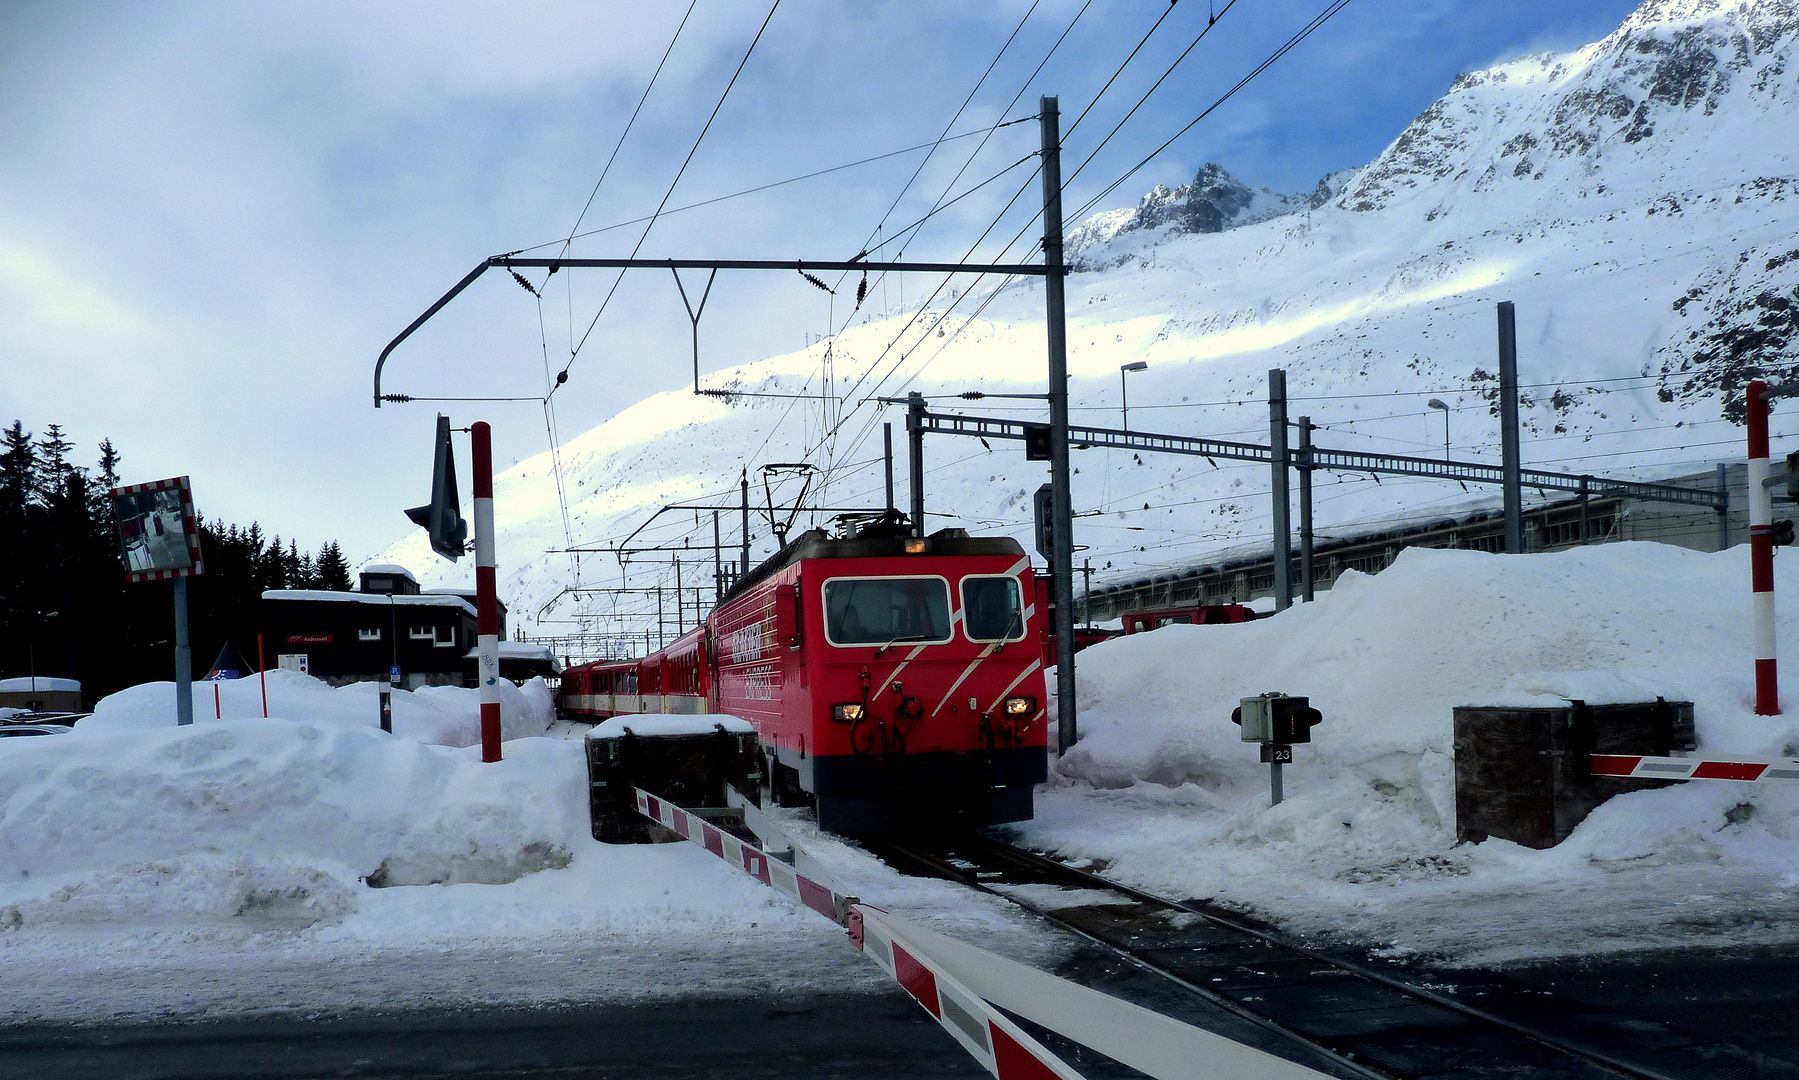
x,y
1634,198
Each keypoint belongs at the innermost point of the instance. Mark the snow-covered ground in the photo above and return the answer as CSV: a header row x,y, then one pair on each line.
x,y
1161,790
310,863
313,864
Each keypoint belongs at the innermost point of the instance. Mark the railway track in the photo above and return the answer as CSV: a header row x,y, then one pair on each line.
x,y
1338,1013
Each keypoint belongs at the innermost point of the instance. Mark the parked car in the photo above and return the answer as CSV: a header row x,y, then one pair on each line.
x,y
14,731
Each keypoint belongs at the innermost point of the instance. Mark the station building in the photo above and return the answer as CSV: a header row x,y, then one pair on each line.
x,y
389,622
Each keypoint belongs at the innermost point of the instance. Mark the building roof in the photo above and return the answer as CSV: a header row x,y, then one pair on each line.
x,y
383,599
389,568
41,683
523,650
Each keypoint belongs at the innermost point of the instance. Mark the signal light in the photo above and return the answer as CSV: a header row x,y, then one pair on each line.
x,y
1036,442
1783,532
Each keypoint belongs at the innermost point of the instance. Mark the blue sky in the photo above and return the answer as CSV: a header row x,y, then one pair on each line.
x,y
213,215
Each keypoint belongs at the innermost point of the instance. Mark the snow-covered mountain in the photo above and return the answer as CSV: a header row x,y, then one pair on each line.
x,y
1211,202
1635,198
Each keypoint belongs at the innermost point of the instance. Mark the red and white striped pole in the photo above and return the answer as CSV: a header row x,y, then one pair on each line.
x,y
487,619
1761,550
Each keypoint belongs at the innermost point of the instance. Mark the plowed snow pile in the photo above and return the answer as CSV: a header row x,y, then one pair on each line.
x,y
313,863
450,715
1163,791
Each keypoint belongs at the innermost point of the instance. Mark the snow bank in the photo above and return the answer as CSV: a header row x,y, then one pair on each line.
x,y
450,715
1387,658
1161,788
264,826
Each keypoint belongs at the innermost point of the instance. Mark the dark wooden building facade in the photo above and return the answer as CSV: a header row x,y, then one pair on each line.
x,y
346,637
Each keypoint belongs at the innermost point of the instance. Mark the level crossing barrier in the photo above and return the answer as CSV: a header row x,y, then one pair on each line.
x,y
1746,770
968,990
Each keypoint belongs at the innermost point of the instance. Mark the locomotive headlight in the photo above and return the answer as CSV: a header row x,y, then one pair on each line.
x,y
1020,706
847,713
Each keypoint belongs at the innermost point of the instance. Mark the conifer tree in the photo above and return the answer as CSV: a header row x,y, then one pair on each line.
x,y
18,469
333,569
53,464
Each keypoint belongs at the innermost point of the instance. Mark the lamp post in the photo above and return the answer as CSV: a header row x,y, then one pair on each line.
x,y
1123,399
1437,403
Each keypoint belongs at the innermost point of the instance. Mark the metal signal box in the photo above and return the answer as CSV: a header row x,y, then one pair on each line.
x,y
1276,718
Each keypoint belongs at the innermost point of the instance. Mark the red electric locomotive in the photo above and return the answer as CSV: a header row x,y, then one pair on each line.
x,y
893,680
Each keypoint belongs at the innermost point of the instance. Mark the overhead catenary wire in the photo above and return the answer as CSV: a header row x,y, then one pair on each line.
x,y
759,188
682,171
1291,43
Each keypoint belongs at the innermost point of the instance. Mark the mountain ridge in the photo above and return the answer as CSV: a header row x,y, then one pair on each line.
x,y
1633,198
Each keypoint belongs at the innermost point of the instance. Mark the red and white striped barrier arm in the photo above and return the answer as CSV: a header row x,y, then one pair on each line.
x,y
1673,768
964,988
820,896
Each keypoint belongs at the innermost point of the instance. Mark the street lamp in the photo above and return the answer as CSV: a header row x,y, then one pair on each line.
x,y
1437,403
1124,400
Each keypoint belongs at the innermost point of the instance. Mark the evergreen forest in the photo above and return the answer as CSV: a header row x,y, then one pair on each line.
x,y
66,608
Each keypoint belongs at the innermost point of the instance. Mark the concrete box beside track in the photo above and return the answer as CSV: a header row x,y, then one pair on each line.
x,y
1525,775
689,770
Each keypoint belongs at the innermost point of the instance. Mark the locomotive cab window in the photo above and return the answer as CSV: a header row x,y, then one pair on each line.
x,y
887,610
991,608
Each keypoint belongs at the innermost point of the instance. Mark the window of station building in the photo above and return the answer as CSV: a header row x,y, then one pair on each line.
x,y
422,633
888,610
369,635
992,609
444,635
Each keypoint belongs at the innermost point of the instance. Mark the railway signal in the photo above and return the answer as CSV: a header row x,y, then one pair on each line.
x,y
1042,507
1277,721
441,518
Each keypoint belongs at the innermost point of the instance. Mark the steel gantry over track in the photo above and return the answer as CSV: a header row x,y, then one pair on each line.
x,y
1305,457
1052,270
1318,457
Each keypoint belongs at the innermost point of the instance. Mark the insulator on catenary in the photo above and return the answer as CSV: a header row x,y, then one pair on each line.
x,y
525,285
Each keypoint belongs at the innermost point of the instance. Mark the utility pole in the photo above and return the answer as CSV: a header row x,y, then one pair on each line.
x,y
1277,453
1062,568
1724,506
1508,428
915,457
718,572
887,453
744,480
1305,509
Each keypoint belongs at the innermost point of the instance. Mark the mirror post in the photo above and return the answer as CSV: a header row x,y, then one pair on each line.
x,y
184,657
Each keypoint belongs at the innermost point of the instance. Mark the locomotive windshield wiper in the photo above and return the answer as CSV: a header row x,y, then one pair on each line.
x,y
897,640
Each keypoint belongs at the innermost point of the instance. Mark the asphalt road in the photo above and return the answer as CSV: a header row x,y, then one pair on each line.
x,y
791,1036
1746,996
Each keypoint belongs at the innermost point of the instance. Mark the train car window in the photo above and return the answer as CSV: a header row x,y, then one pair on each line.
x,y
887,610
991,610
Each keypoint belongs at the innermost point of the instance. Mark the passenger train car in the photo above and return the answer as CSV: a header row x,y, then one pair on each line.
x,y
893,680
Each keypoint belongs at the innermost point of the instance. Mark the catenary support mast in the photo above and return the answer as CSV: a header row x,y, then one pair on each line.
x,y
1062,572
